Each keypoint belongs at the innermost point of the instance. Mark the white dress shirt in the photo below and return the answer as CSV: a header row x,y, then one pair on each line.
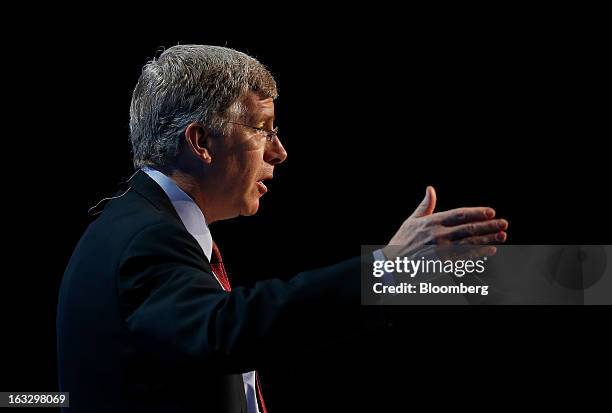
x,y
194,221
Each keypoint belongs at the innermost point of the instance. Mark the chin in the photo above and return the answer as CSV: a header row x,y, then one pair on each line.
x,y
250,208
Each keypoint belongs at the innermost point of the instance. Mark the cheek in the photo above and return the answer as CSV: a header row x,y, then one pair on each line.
x,y
250,167
244,172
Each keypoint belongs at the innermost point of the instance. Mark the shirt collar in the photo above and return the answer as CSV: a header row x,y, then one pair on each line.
x,y
186,208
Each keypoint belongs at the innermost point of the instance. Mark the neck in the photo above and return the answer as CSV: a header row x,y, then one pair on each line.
x,y
194,186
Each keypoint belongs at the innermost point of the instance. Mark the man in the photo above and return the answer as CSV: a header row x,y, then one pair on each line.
x,y
147,318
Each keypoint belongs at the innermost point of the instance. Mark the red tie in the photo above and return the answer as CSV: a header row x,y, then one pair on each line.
x,y
216,263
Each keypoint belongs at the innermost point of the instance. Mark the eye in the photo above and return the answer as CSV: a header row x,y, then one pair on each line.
x,y
272,134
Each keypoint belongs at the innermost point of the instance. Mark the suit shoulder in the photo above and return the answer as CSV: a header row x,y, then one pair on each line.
x,y
131,220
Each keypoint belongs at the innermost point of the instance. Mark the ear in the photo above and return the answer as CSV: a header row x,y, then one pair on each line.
x,y
197,138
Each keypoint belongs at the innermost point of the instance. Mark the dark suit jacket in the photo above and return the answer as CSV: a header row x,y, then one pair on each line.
x,y
143,325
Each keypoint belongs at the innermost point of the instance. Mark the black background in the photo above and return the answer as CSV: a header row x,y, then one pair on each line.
x,y
508,109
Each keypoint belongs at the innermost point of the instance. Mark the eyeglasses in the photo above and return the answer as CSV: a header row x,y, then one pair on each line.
x,y
270,134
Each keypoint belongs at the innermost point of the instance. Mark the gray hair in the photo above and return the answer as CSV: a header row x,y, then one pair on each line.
x,y
185,84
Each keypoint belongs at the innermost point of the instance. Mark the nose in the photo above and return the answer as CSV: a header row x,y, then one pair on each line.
x,y
275,152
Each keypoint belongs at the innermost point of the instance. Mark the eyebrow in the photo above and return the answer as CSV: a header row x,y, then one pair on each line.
x,y
261,117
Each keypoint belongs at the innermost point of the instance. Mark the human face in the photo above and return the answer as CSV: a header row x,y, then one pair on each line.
x,y
245,159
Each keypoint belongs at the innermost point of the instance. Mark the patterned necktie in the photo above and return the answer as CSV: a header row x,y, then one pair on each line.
x,y
216,263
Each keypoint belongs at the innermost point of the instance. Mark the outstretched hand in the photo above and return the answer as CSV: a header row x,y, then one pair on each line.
x,y
462,226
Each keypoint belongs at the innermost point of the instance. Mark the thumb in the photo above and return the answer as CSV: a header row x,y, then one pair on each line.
x,y
428,204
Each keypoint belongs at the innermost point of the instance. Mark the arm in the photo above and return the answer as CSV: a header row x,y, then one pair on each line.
x,y
172,304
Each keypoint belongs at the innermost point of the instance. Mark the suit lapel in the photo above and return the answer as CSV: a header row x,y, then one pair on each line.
x,y
152,192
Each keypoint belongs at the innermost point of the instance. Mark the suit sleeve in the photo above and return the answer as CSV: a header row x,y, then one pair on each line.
x,y
174,307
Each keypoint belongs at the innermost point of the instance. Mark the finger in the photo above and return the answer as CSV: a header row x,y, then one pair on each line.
x,y
428,204
476,228
496,238
464,215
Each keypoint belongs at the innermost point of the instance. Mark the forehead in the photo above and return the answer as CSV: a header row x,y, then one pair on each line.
x,y
258,107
